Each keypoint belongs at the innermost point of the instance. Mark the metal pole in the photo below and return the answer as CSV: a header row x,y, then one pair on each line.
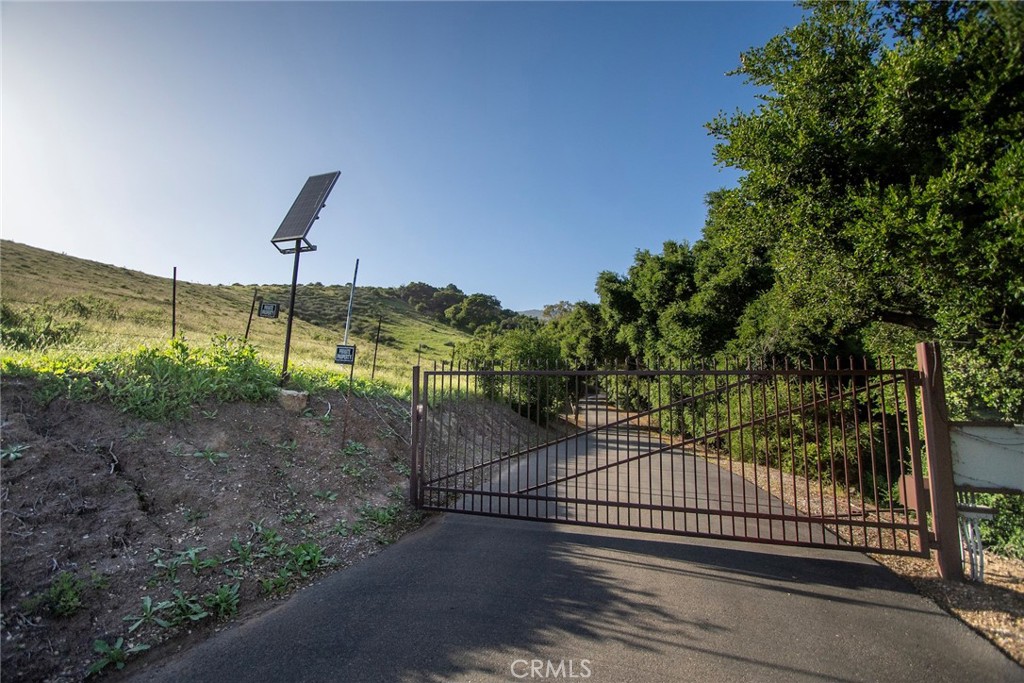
x,y
376,343
351,296
414,440
174,303
251,309
291,313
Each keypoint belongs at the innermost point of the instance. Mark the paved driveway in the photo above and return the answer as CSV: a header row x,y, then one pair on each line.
x,y
474,599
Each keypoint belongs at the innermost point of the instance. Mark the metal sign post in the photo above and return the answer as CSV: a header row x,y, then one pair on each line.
x,y
295,228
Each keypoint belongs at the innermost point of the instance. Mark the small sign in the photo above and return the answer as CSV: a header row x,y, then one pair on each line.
x,y
346,354
269,310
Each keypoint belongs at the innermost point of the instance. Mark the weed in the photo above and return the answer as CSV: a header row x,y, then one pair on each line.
x,y
278,583
64,596
330,496
305,558
12,453
235,574
243,552
288,446
299,516
167,566
194,516
149,614
186,608
273,544
99,580
224,601
353,448
114,654
210,455
402,467
210,414
191,556
34,327
383,515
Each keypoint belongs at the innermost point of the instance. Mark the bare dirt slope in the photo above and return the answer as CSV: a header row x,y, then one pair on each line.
x,y
210,518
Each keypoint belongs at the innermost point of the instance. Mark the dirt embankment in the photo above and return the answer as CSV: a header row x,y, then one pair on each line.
x,y
158,534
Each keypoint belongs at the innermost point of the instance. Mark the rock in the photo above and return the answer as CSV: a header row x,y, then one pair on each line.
x,y
293,401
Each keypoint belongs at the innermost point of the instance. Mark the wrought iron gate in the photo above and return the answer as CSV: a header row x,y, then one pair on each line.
x,y
810,455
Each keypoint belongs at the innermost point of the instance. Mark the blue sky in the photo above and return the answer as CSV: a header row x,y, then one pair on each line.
x,y
515,149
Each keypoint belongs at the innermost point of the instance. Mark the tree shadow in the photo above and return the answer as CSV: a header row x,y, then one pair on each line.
x,y
466,597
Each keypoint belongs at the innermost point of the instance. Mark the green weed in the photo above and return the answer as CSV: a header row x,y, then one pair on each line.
x,y
211,456
61,598
186,609
149,614
114,654
13,452
224,601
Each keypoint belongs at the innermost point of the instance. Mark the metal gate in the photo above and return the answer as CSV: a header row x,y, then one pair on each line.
x,y
819,455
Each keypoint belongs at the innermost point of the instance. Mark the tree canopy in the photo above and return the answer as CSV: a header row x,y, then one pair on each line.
x,y
881,203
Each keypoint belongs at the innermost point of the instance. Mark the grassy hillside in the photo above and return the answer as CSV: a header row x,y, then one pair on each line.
x,y
113,308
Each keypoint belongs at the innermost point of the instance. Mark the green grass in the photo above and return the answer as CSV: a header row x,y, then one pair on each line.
x,y
81,311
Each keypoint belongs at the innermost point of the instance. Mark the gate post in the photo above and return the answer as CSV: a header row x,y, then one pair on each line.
x,y
414,440
940,462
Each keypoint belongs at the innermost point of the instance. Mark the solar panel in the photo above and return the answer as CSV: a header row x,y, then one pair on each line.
x,y
305,208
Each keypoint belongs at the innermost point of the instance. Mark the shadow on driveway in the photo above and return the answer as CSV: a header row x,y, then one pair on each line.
x,y
474,599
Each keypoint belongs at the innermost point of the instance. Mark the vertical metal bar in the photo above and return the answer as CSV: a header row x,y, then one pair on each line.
x,y
830,441
900,451
728,440
428,463
376,344
803,447
817,389
702,407
887,448
915,465
859,450
745,424
940,461
351,298
461,436
792,453
174,303
872,452
722,393
846,448
447,410
414,480
252,309
777,411
676,426
291,312
763,418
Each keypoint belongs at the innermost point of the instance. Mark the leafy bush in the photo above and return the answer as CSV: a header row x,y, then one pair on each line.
x,y
155,383
317,379
34,328
1005,533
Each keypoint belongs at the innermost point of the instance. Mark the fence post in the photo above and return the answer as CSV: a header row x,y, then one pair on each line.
x,y
414,440
940,462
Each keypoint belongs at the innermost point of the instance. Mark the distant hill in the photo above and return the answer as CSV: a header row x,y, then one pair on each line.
x,y
116,308
532,313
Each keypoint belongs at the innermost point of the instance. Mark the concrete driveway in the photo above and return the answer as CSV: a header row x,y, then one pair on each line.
x,y
475,599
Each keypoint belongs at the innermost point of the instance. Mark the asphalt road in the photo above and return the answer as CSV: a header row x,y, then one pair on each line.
x,y
475,599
